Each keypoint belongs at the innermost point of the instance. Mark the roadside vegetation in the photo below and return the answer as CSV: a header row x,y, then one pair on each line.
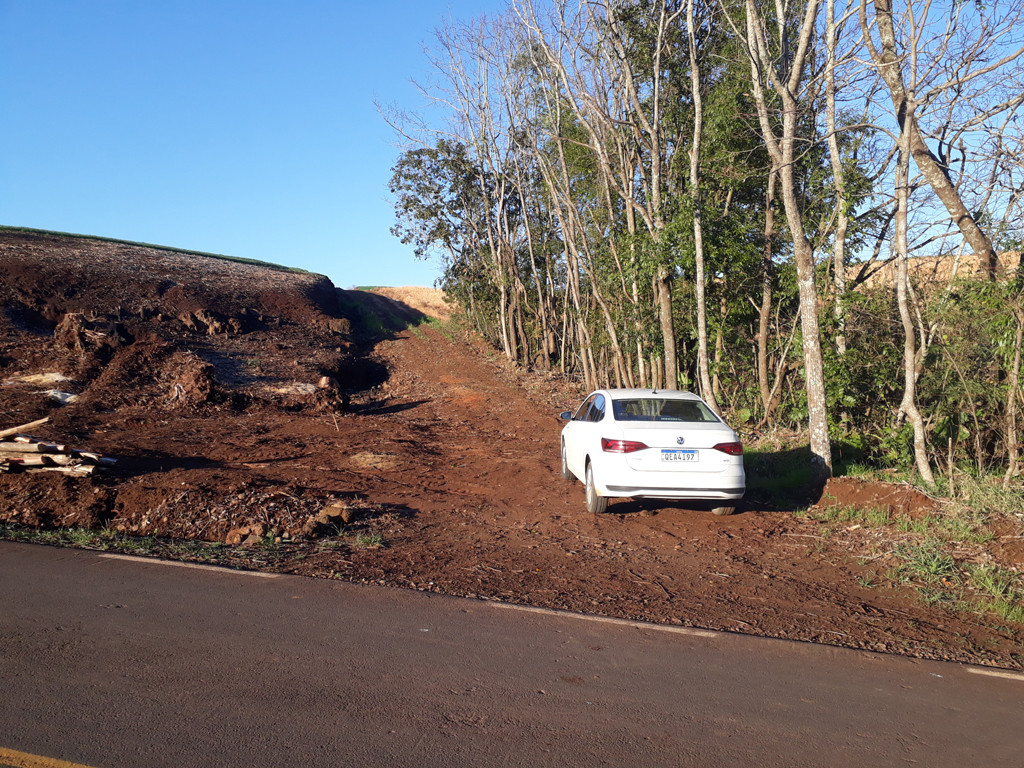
x,y
765,210
945,553
270,553
762,209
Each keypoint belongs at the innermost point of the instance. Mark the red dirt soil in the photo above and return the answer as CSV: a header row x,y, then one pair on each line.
x,y
200,376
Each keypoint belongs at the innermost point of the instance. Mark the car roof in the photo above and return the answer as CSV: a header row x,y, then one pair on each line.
x,y
665,394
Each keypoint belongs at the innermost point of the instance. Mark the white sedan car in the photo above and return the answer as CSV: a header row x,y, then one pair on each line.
x,y
647,443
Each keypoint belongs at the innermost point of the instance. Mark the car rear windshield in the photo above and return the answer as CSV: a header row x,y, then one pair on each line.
x,y
662,409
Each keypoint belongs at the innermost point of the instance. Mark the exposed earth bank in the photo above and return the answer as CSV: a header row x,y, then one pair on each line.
x,y
329,433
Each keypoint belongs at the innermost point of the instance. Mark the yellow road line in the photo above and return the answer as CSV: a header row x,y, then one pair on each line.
x,y
8,757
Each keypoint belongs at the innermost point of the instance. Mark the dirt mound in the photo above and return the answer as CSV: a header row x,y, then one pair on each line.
x,y
47,276
895,500
130,323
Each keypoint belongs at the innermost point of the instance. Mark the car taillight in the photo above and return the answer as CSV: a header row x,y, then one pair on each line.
x,y
620,446
733,449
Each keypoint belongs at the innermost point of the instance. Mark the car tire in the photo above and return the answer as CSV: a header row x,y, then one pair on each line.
x,y
721,511
566,474
596,505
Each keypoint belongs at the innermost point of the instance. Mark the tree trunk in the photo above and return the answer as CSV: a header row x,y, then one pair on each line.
x,y
839,179
909,404
764,313
703,369
668,331
787,87
1012,438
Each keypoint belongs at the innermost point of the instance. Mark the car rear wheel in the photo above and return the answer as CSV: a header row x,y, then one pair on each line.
x,y
566,474
723,510
596,505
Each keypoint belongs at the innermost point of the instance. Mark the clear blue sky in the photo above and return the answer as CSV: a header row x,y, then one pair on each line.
x,y
242,128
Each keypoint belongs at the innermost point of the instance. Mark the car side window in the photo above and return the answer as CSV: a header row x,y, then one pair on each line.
x,y
583,411
596,409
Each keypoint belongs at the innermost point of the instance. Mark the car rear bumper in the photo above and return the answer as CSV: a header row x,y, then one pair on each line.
x,y
617,481
642,492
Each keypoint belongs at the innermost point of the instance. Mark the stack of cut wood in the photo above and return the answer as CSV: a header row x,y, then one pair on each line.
x,y
20,452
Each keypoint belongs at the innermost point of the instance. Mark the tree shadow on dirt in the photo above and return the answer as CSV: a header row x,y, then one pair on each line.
x,y
658,506
155,462
231,371
382,408
780,480
400,511
132,466
362,524
375,318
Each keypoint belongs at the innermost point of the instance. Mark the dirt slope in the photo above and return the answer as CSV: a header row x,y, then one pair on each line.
x,y
429,465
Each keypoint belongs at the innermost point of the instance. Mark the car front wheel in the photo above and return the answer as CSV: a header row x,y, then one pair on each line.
x,y
723,510
566,474
596,505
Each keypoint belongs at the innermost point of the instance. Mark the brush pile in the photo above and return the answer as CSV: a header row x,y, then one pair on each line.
x,y
24,453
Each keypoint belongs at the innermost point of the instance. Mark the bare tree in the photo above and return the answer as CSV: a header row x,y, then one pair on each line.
x,y
833,28
923,59
700,278
778,59
910,352
586,49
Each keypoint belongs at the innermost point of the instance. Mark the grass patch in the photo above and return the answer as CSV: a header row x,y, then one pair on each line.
x,y
268,554
941,580
102,539
1002,591
369,540
986,496
958,526
927,560
873,517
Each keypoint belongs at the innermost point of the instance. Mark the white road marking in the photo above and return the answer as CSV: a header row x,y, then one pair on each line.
x,y
996,673
197,566
606,620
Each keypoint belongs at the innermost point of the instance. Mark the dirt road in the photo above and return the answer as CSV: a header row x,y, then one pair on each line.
x,y
471,450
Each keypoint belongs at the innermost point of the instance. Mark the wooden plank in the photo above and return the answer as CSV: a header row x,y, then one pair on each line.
x,y
23,427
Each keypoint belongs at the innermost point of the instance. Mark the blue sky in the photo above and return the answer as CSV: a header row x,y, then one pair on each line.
x,y
242,128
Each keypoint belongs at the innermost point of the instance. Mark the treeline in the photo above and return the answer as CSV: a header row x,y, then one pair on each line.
x,y
714,196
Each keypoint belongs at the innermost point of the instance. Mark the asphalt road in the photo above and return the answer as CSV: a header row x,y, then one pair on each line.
x,y
112,663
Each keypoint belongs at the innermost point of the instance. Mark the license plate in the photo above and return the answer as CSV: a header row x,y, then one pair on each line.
x,y
668,454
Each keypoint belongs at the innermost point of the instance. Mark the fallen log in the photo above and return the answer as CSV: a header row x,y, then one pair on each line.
x,y
78,469
39,462
23,427
28,460
27,447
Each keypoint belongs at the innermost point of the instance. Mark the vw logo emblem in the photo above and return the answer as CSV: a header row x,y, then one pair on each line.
x,y
680,440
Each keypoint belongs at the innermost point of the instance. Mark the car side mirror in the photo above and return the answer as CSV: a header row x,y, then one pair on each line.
x,y
565,415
